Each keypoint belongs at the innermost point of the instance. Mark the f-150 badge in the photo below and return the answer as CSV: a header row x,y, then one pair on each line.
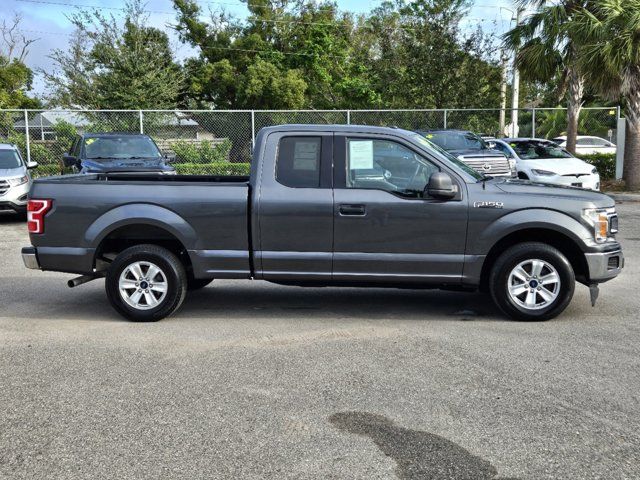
x,y
488,204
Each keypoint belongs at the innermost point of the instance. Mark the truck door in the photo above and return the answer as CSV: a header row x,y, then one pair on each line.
x,y
385,230
295,207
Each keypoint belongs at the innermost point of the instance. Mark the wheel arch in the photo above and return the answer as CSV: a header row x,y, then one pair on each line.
x,y
567,245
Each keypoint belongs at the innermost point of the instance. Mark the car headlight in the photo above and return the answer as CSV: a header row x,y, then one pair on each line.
x,y
14,182
604,222
543,173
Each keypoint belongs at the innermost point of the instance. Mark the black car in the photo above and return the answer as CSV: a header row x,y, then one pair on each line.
x,y
115,152
472,150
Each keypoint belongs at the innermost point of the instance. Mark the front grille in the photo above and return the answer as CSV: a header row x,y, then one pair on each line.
x,y
499,166
4,187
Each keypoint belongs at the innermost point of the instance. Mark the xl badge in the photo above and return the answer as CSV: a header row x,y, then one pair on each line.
x,y
488,204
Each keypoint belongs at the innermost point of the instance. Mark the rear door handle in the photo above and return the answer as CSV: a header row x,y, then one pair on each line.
x,y
352,210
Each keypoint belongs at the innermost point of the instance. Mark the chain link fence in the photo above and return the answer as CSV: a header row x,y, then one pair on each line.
x,y
220,142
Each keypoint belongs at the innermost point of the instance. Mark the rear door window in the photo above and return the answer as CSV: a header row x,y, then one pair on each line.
x,y
298,163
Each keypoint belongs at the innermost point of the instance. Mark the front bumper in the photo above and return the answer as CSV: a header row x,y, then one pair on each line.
x,y
604,266
589,182
30,258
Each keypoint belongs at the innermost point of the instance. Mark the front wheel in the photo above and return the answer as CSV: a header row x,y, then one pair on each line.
x,y
146,283
532,281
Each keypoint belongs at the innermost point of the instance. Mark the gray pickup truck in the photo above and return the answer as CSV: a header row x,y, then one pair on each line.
x,y
327,205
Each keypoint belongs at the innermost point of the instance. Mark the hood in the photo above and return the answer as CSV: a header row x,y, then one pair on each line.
x,y
126,165
470,153
12,172
543,193
561,166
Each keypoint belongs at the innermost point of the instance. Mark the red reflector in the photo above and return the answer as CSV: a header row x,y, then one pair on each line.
x,y
36,210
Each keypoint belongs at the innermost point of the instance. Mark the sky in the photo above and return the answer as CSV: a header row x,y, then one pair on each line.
x,y
46,21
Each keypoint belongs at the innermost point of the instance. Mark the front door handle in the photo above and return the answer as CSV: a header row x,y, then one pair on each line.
x,y
352,210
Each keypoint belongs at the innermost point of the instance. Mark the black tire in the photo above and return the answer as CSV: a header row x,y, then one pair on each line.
x,y
523,176
524,252
197,283
173,273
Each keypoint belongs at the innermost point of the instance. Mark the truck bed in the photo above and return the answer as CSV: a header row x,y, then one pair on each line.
x,y
208,215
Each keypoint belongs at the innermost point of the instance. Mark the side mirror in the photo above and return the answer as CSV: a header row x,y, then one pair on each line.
x,y
441,186
31,165
491,145
170,157
69,160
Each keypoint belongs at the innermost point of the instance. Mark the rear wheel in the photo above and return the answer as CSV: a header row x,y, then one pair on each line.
x,y
532,281
146,283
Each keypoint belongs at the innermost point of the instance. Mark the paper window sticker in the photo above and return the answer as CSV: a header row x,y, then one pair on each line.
x,y
305,155
89,141
361,154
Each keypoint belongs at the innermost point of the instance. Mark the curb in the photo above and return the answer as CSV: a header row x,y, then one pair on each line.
x,y
624,197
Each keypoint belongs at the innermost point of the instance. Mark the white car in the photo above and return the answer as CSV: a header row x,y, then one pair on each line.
x,y
544,161
15,179
586,145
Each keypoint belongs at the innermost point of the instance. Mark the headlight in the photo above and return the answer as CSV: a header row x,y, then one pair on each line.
x,y
543,173
601,219
14,182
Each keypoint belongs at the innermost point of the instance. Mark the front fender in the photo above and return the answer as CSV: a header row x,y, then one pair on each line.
x,y
140,214
528,219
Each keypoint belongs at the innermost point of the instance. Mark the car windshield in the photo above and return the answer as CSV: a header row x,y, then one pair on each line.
x,y
456,140
535,149
9,159
120,147
429,145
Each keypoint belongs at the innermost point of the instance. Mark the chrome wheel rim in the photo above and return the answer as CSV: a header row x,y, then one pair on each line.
x,y
143,285
534,284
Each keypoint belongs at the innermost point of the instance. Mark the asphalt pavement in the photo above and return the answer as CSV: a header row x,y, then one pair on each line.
x,y
253,380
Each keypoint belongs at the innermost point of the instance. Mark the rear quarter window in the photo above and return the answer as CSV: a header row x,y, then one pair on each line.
x,y
298,163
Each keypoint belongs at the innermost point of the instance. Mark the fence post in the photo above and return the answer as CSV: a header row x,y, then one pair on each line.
x,y
348,117
26,133
445,118
533,123
253,129
141,123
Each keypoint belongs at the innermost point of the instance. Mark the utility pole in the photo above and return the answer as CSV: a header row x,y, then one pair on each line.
x,y
503,92
515,94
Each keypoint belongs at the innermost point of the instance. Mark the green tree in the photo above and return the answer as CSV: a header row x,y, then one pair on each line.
x,y
547,50
116,66
422,59
15,77
609,31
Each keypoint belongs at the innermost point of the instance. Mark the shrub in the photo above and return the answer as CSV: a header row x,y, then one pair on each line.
x,y
605,163
213,168
46,171
202,152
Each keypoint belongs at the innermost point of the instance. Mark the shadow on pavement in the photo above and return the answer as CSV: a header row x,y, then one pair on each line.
x,y
418,455
49,297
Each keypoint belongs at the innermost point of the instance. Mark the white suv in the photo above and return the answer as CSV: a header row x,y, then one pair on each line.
x,y
15,180
586,145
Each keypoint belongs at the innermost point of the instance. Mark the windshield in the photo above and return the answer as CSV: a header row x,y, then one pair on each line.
x,y
456,140
536,149
120,147
9,159
429,145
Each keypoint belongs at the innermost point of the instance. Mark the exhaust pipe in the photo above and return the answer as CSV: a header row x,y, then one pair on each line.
x,y
74,282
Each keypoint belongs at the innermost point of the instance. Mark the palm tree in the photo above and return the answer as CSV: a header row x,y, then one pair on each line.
x,y
609,31
546,50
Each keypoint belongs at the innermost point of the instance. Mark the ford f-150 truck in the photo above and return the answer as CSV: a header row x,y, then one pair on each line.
x,y
326,205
